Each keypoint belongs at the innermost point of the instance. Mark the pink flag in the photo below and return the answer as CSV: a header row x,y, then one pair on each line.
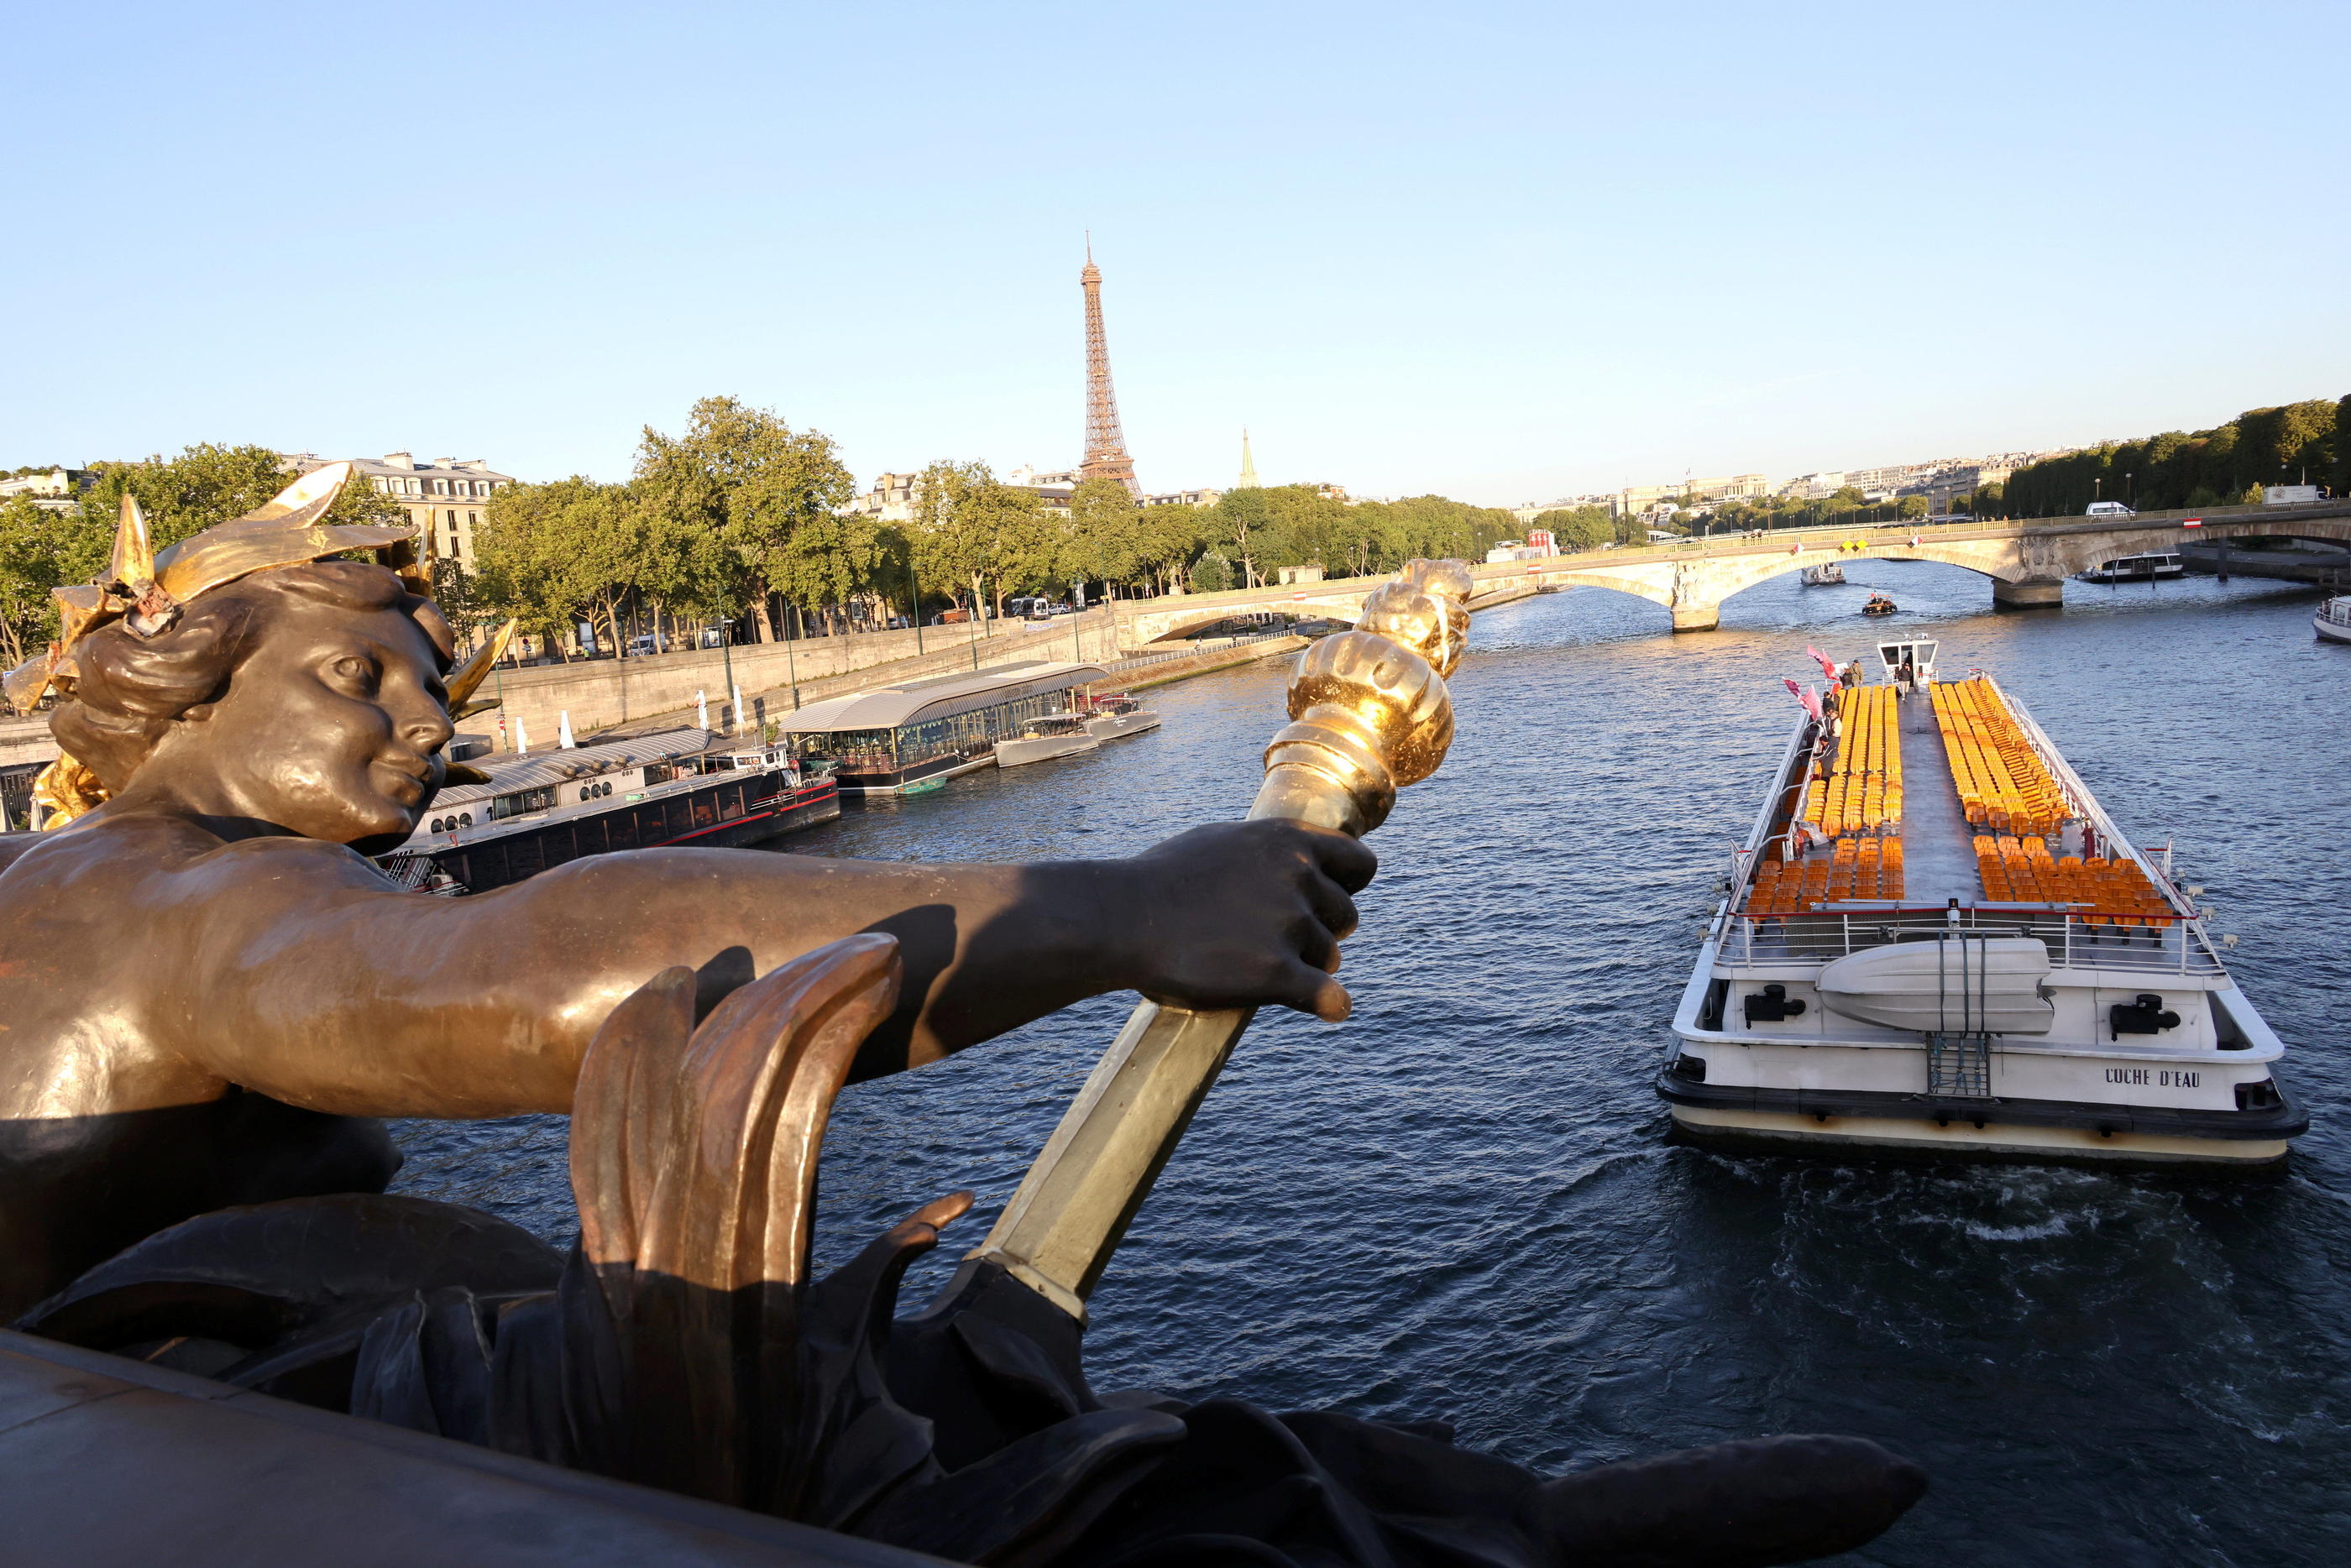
x,y
1828,665
1804,695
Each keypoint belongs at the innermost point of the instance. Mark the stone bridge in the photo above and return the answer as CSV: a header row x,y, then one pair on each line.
x,y
2028,563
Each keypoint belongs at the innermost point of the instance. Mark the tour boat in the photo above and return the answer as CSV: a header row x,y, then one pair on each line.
x,y
1112,714
2137,568
1041,740
1878,605
1828,575
540,810
1935,938
2332,620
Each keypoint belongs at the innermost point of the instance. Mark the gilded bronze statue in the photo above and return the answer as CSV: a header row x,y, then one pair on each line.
x,y
208,992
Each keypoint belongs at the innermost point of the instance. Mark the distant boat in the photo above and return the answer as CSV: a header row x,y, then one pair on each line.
x,y
2136,569
1828,575
1041,740
1111,714
2332,620
1879,605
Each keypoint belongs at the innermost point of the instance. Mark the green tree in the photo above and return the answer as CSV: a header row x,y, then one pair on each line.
x,y
746,479
1212,575
556,553
39,550
972,533
1105,543
1578,528
1238,527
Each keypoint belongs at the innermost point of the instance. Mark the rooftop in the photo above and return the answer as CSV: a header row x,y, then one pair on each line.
x,y
940,695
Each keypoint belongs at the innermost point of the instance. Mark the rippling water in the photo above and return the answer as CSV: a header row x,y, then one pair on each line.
x,y
1463,1202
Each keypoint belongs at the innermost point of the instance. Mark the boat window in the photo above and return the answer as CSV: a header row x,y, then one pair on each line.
x,y
522,803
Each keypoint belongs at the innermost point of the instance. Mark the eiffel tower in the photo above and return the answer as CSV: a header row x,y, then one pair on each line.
x,y
1105,443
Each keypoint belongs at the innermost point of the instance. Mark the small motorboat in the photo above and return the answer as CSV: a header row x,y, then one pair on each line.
x,y
1115,713
1041,740
1879,605
2333,621
1828,575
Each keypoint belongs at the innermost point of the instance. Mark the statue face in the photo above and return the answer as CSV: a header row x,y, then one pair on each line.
x,y
331,728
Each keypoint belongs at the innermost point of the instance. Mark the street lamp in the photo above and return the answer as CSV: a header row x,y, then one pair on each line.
x,y
726,652
914,596
791,664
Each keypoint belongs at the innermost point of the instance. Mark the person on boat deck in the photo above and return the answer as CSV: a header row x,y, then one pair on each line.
x,y
1851,675
209,992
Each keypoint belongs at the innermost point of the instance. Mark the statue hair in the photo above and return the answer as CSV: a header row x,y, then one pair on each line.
x,y
128,689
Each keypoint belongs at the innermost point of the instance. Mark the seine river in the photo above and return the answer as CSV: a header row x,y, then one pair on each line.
x,y
1463,1203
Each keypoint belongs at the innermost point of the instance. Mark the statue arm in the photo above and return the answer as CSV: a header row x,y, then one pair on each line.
x,y
325,987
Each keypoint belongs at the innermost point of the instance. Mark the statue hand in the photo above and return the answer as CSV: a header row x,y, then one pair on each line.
x,y
1247,914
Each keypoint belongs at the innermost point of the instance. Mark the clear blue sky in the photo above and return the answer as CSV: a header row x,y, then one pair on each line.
x,y
1500,252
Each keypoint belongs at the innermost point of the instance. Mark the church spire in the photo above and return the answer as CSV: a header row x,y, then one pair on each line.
x,y
1248,465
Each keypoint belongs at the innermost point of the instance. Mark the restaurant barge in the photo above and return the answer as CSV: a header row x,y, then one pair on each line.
x,y
686,787
919,733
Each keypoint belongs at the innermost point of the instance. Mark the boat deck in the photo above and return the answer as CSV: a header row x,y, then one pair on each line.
x,y
1937,846
1880,845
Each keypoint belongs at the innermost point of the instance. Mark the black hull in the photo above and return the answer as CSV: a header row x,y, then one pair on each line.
x,y
722,814
2286,1119
889,780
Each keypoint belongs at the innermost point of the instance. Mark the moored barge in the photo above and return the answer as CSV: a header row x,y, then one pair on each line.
x,y
917,734
687,787
1935,938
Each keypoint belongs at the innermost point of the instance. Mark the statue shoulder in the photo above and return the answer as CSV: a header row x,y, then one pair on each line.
x,y
12,845
154,846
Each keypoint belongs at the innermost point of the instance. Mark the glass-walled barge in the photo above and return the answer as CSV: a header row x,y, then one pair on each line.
x,y
918,733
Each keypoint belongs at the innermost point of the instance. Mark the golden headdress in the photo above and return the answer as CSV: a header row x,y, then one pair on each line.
x,y
146,589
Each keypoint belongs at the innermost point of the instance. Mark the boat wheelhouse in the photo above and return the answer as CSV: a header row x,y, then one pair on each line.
x,y
920,733
538,811
2332,620
1828,575
1936,939
1111,714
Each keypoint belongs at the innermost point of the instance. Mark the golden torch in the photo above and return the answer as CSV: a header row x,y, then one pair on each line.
x,y
1369,713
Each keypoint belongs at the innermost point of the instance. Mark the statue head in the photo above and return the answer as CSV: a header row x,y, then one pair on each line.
x,y
309,697
246,675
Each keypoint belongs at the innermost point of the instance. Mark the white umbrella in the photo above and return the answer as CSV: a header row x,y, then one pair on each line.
x,y
563,739
738,721
522,738
701,711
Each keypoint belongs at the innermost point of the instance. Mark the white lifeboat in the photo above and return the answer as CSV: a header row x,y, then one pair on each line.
x,y
1958,984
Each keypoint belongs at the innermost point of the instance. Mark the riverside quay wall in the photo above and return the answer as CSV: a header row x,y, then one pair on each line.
x,y
601,694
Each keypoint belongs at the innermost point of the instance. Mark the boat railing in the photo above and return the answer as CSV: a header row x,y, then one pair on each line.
x,y
2086,940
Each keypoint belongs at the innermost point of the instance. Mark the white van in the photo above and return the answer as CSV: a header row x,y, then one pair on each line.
x,y
2108,509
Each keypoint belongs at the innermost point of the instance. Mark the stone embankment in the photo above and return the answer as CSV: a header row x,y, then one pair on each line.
x,y
658,691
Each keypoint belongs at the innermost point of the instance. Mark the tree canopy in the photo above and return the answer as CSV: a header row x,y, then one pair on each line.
x,y
2307,442
48,546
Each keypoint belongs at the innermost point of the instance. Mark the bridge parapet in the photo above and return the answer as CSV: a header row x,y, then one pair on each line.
x,y
2028,561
